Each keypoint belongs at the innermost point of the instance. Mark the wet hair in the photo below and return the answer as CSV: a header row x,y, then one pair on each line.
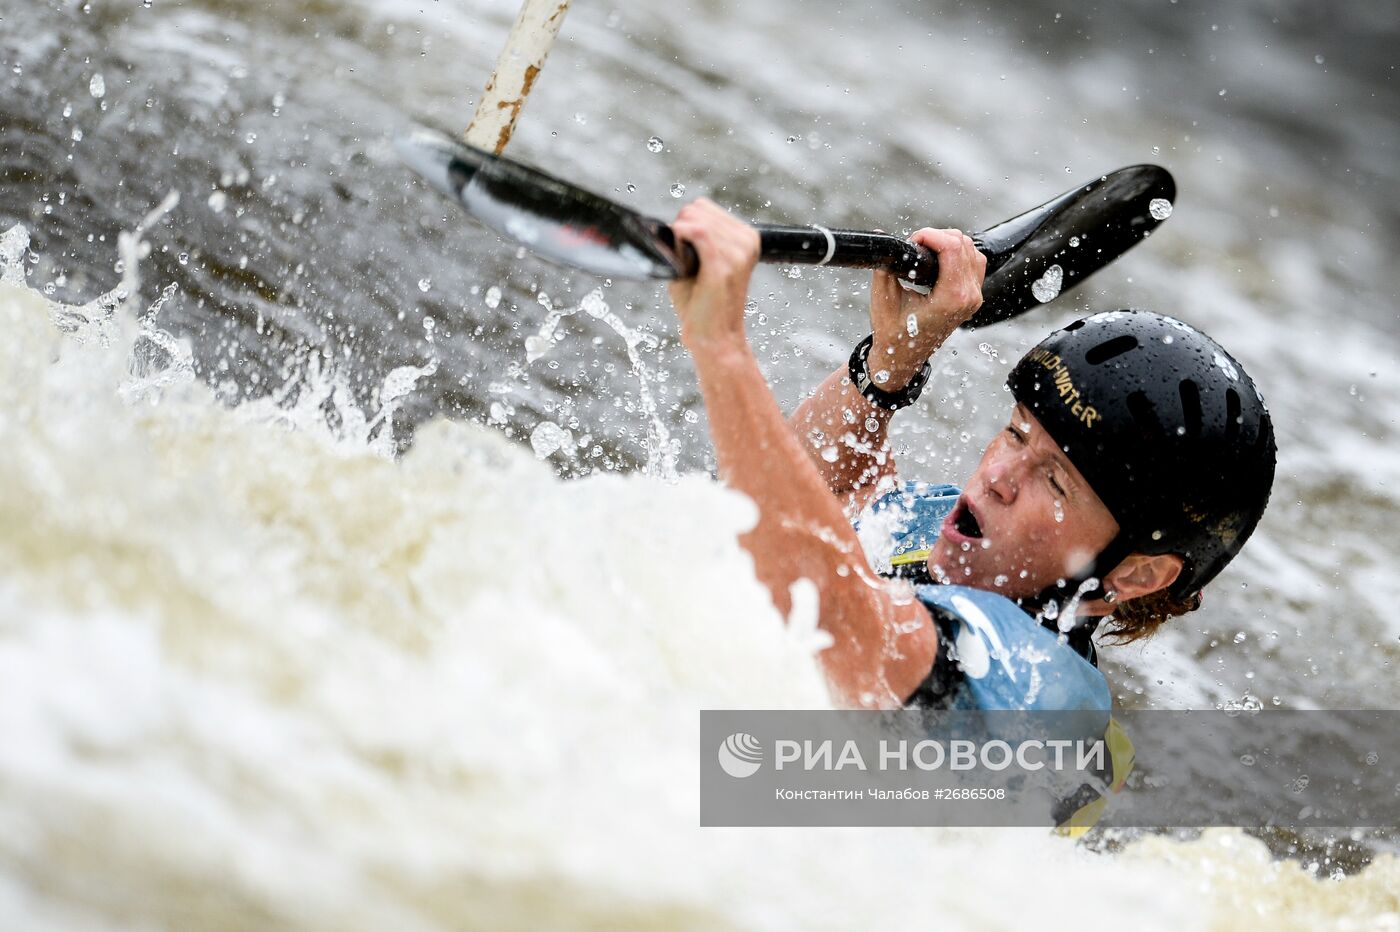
x,y
1140,618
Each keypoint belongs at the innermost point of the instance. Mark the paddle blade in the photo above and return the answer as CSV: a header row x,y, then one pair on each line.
x,y
548,216
1035,257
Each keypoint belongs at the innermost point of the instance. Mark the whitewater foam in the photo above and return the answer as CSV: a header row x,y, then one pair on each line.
x,y
255,672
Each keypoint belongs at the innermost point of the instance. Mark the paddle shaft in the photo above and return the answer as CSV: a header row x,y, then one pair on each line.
x,y
1031,258
519,65
854,249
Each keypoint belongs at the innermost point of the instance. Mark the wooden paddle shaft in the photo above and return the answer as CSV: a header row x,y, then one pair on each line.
x,y
522,58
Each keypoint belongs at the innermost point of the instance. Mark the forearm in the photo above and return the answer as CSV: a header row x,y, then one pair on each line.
x,y
879,649
846,438
844,433
883,640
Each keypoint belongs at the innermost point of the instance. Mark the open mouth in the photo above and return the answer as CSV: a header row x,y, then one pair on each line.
x,y
965,522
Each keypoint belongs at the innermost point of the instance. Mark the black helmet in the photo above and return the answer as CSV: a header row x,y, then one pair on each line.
x,y
1166,427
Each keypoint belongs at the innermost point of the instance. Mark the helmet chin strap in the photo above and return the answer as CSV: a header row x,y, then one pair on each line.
x,y
1107,560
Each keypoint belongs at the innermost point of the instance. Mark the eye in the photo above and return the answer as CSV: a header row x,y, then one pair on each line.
x,y
1055,484
1011,429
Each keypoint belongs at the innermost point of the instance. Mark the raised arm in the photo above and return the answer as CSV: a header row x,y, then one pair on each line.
x,y
883,640
846,435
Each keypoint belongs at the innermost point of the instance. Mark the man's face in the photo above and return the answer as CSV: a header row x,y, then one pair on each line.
x,y
1026,518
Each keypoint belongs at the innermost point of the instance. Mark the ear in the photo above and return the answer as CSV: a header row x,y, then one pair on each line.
x,y
1138,575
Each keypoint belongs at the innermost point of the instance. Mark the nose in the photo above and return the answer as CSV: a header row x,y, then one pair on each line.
x,y
1004,473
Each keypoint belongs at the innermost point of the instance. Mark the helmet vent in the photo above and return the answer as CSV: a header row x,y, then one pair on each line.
x,y
1266,433
1232,413
1191,407
1140,407
1111,348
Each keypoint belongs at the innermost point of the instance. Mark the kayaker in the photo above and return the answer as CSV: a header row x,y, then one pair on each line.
x,y
1137,459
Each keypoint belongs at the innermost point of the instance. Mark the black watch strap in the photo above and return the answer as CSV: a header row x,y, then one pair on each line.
x,y
859,370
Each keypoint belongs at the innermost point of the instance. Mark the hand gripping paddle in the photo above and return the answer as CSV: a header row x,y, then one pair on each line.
x,y
1031,258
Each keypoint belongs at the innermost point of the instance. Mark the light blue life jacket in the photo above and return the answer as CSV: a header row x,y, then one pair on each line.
x,y
992,654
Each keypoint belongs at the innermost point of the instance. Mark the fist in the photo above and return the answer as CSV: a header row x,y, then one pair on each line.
x,y
711,305
909,326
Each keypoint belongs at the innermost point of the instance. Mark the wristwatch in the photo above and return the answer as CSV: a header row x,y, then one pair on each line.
x,y
859,370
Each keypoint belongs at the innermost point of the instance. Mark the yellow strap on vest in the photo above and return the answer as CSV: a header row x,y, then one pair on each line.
x,y
910,556
1120,753
1077,825
1120,761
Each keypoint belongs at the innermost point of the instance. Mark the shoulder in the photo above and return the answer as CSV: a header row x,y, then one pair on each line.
x,y
1005,659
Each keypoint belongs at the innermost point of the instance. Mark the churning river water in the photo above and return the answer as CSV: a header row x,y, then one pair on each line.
x,y
359,571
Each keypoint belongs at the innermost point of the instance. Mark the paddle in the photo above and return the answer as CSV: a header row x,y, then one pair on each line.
x,y
1031,258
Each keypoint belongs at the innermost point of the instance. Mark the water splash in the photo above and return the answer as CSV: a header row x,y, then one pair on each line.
x,y
97,321
14,243
549,438
1068,617
539,344
158,359
662,450
1046,288
316,397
